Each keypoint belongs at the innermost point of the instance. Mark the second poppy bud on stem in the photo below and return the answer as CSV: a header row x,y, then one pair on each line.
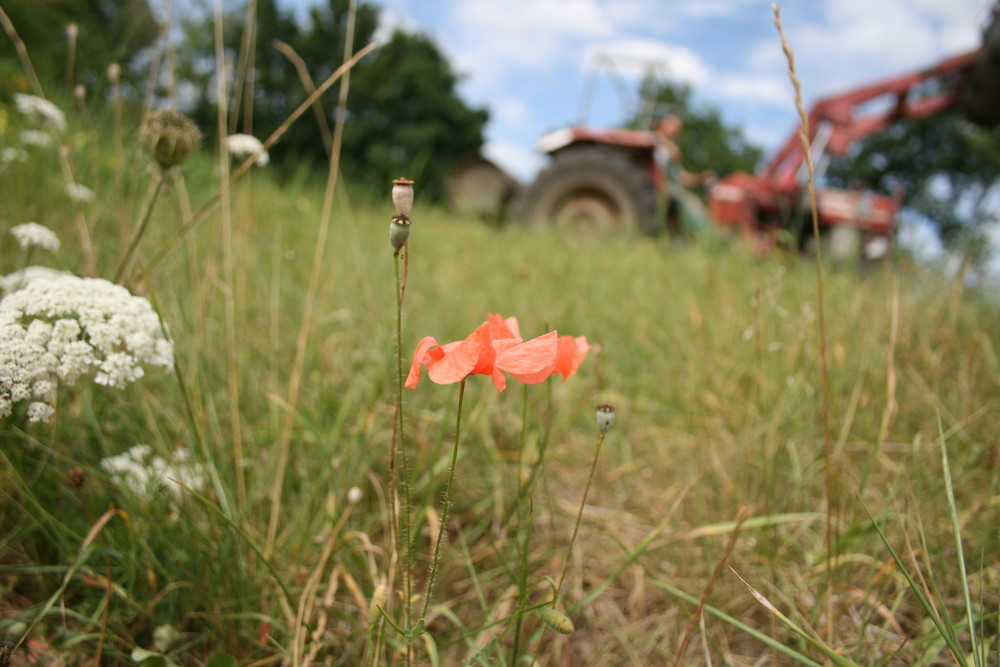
x,y
399,226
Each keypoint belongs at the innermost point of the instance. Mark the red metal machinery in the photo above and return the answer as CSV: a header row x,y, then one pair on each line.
x,y
775,197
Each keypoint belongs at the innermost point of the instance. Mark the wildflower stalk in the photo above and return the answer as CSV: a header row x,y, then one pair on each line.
x,y
447,505
579,515
402,544
522,584
141,228
523,491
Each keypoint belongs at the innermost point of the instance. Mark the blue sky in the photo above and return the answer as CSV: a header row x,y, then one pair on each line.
x,y
530,61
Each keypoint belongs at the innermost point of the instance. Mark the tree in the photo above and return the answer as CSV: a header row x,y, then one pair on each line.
x,y
406,118
706,142
403,114
107,31
946,167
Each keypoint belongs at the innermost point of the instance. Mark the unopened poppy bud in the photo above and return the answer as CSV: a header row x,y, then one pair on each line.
x,y
556,620
169,136
605,417
399,232
402,196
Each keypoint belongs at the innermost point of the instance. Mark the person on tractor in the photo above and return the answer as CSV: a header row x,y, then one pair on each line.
x,y
673,178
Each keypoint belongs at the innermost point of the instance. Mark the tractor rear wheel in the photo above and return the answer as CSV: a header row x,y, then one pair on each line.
x,y
591,189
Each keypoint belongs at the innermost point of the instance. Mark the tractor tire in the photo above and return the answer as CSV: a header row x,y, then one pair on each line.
x,y
590,189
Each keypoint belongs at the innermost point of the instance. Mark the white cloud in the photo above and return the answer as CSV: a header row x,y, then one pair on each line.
x,y
521,162
635,57
510,111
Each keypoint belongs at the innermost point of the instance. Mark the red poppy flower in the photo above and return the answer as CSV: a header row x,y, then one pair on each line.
x,y
496,348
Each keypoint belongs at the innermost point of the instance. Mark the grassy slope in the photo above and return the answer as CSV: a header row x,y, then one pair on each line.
x,y
709,354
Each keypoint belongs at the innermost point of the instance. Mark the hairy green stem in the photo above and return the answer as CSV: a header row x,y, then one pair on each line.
x,y
447,504
579,516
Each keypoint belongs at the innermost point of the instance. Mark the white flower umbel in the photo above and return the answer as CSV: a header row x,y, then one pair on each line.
x,y
242,146
41,110
59,329
34,235
15,281
10,155
35,138
147,475
80,194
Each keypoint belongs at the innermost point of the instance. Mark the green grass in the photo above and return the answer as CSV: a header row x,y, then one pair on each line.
x,y
709,353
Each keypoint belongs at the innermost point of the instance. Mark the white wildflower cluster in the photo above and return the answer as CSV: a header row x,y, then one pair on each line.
x,y
10,155
34,235
80,194
36,138
242,146
59,329
147,475
15,281
41,110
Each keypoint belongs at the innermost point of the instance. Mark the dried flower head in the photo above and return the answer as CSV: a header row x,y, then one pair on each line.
x,y
242,146
402,196
354,495
169,136
41,110
34,235
605,417
59,329
76,477
114,73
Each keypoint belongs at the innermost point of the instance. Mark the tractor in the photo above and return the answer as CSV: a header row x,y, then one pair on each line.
x,y
606,179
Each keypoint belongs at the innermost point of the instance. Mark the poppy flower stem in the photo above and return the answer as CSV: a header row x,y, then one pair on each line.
x,y
579,515
402,543
447,505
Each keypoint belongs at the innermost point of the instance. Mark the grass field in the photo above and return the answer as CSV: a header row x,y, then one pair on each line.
x,y
715,470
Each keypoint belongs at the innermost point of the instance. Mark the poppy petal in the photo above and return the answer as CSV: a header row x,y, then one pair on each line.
x,y
571,354
457,363
419,358
531,361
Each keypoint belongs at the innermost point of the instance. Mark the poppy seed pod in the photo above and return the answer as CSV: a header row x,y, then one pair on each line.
x,y
169,136
402,196
399,232
605,417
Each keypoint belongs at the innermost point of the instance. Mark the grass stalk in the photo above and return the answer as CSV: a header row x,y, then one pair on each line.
x,y
319,253
230,291
956,530
140,229
202,214
804,136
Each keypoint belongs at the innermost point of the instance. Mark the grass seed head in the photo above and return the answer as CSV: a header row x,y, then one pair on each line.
x,y
556,620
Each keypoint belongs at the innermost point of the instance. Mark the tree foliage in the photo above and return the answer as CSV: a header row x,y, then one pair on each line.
x,y
403,114
406,118
947,169
706,142
107,31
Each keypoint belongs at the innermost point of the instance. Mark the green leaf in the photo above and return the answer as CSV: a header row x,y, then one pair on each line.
x,y
221,660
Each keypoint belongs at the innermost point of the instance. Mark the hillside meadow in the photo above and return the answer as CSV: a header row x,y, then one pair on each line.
x,y
735,513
